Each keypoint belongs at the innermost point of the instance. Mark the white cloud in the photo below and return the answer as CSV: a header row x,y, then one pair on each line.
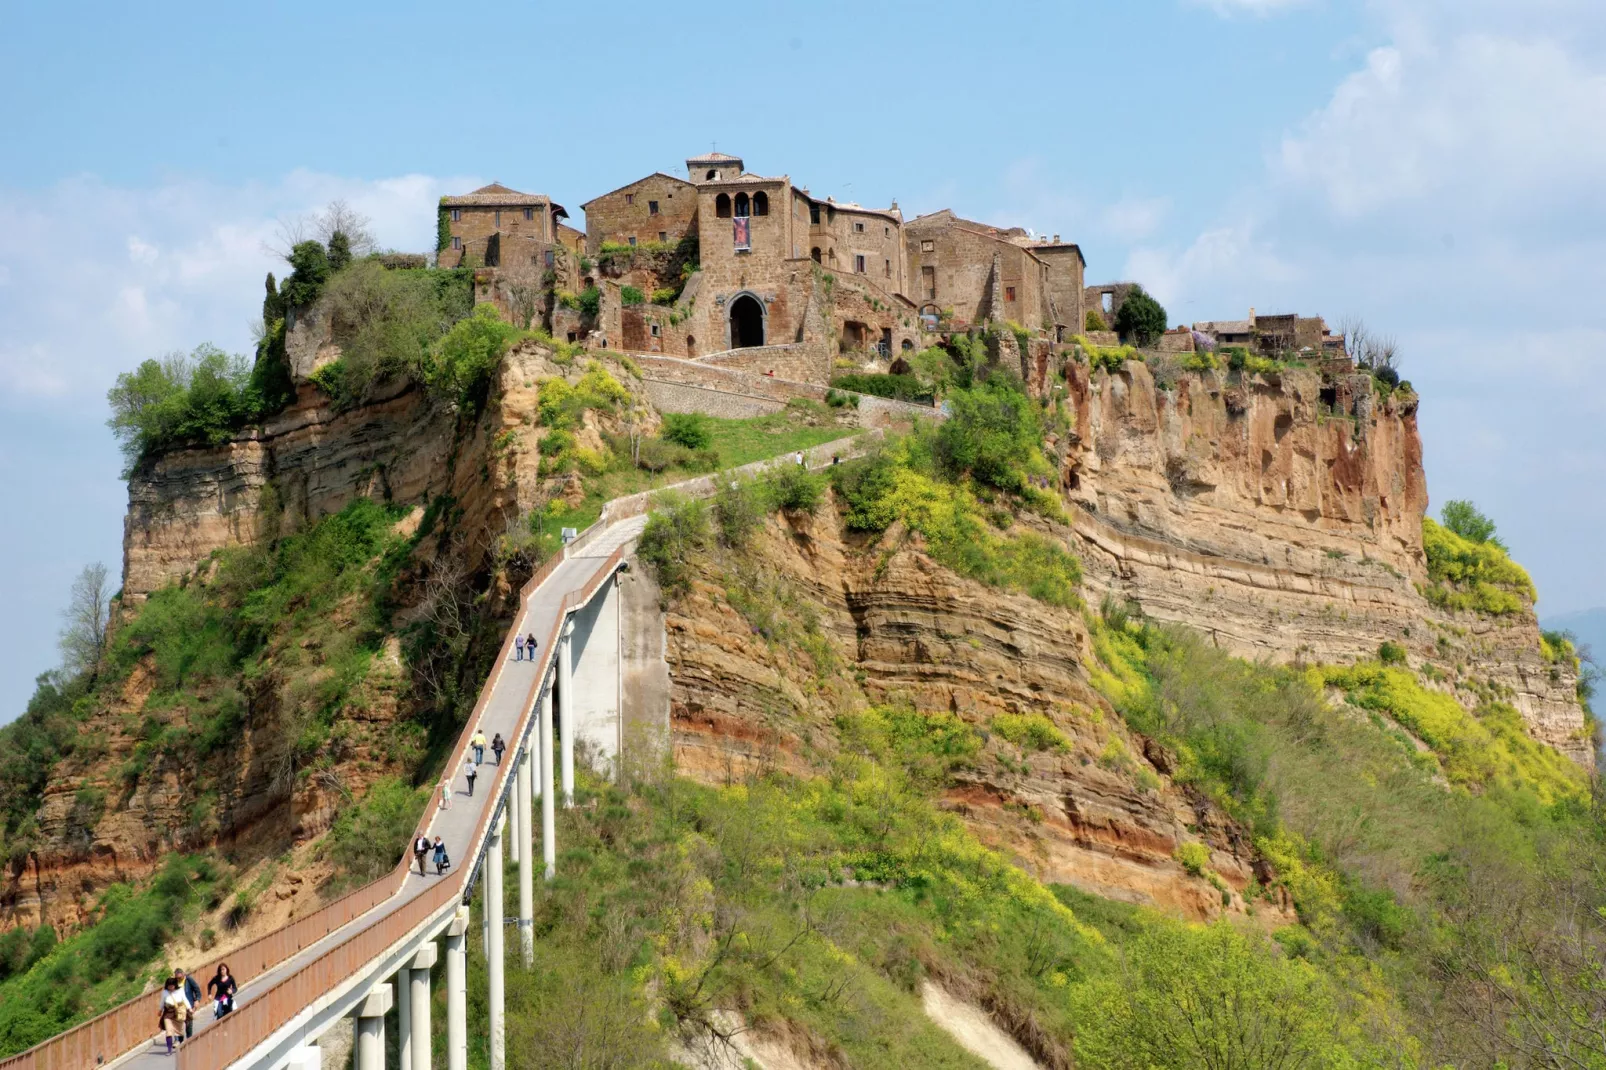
x,y
1134,218
1260,8
98,277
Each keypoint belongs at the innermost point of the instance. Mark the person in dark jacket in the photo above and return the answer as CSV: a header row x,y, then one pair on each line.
x,y
222,988
498,745
442,863
192,995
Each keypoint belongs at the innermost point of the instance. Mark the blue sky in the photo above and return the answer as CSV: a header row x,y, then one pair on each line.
x,y
1433,165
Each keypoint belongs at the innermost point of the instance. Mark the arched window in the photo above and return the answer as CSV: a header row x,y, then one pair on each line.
x,y
722,206
741,204
712,175
815,253
761,203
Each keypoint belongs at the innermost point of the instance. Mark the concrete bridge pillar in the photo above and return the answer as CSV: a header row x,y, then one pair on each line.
x,y
404,1019
566,711
549,848
417,1001
494,958
521,808
371,1027
457,992
595,643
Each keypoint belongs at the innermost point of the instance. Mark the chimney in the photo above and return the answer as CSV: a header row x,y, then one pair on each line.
x,y
1056,239
1251,316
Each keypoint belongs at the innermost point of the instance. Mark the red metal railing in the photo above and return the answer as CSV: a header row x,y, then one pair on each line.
x,y
129,1025
267,1012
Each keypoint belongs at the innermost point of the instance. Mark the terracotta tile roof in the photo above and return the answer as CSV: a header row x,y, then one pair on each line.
x,y
498,195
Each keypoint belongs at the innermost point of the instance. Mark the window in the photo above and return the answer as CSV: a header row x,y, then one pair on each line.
x,y
663,237
655,330
814,214
711,175
550,258
630,198
722,206
529,213
927,246
886,232
889,269
928,281
632,241
743,208
761,203
499,219
1108,299
457,215
1009,293
652,207
814,253
858,264
858,228
457,243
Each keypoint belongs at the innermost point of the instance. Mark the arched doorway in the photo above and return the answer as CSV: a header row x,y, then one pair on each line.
x,y
691,345
747,322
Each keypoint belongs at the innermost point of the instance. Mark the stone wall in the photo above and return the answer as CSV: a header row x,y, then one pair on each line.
x,y
520,240
803,361
677,397
961,257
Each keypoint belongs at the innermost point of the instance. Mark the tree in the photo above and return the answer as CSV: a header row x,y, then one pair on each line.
x,y
272,305
1464,518
83,634
1141,318
340,218
1214,998
339,251
311,263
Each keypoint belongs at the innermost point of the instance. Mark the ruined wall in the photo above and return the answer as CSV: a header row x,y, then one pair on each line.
x,y
961,259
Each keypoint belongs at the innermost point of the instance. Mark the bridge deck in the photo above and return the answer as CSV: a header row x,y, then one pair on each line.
x,y
457,824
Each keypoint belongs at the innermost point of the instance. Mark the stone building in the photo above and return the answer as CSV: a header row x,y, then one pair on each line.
x,y
775,267
968,273
498,227
1274,335
659,209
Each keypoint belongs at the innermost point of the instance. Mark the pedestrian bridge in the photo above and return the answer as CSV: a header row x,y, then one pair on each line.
x,y
372,951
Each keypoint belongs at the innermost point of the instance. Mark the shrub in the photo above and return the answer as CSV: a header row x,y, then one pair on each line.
x,y
675,530
836,399
993,434
309,262
1141,318
1109,358
896,387
1470,575
467,358
1030,731
1194,856
385,323
665,295
793,489
370,836
738,511
1391,653
589,303
631,295
689,429
1094,321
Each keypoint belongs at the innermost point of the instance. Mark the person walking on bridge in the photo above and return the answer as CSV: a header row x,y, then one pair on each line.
x,y
518,648
478,743
497,747
222,988
171,1014
471,770
191,990
442,863
529,644
421,847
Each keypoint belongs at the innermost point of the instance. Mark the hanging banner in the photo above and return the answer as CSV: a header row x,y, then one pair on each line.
x,y
743,241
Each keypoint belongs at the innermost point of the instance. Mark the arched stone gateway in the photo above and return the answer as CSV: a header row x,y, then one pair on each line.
x,y
746,321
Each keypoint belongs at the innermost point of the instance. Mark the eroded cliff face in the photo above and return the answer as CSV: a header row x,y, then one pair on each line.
x,y
1282,515
308,462
898,628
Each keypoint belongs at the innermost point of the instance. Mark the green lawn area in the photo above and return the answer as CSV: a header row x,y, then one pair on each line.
x,y
735,442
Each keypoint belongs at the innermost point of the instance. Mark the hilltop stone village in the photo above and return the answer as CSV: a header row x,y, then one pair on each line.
x,y
757,275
